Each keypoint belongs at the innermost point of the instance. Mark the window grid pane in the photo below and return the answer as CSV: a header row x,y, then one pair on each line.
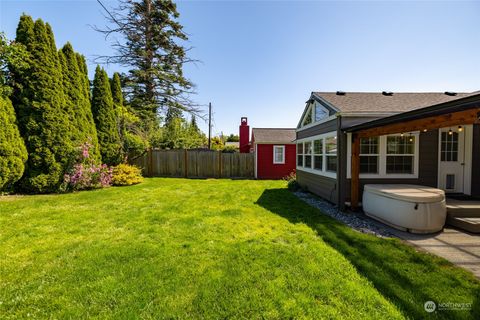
x,y
400,164
308,147
401,145
369,164
331,145
331,163
308,161
299,148
300,160
278,154
318,146
318,162
369,145
449,146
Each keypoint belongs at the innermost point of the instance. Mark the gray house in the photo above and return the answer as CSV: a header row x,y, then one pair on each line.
x,y
348,139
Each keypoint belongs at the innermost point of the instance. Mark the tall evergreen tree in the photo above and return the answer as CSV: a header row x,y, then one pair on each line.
x,y
40,106
117,93
105,119
154,52
13,153
78,102
117,96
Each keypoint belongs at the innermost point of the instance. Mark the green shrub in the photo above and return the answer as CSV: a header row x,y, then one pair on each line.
x,y
126,175
292,183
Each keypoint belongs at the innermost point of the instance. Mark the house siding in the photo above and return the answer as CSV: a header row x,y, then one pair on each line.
x,y
320,128
476,160
322,186
266,169
427,166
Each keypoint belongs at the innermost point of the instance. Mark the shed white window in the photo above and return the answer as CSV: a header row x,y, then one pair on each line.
x,y
278,154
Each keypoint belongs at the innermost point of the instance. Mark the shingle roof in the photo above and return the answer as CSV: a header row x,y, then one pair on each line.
x,y
376,102
273,135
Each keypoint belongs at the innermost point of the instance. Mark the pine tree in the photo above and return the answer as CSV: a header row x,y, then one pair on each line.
x,y
105,120
77,100
13,153
117,93
154,52
40,106
117,96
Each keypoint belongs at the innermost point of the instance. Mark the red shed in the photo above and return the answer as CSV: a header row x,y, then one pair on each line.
x,y
275,152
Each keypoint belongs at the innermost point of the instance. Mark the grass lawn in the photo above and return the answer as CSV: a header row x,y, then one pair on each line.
x,y
174,248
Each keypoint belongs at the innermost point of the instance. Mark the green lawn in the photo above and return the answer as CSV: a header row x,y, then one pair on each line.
x,y
175,248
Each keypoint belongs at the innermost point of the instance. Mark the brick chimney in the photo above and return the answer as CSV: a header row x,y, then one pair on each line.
x,y
244,135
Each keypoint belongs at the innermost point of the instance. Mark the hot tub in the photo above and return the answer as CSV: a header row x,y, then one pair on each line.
x,y
412,208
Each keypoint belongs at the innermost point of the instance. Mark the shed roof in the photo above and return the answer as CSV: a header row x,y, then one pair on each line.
x,y
273,135
377,102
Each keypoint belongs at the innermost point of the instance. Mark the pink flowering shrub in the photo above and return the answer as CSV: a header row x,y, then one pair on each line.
x,y
85,173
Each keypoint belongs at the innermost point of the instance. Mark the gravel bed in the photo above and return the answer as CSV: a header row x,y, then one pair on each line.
x,y
356,221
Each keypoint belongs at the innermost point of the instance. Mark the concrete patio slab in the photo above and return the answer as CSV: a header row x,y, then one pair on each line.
x,y
459,247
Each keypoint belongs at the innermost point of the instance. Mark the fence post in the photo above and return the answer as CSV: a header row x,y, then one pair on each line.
x,y
186,163
150,162
219,164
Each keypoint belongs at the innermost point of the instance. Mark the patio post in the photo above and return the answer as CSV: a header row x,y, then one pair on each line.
x,y
355,176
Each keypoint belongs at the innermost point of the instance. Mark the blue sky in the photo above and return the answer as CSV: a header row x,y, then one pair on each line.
x,y
261,59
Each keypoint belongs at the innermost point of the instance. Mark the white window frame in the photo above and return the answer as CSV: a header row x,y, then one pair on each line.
x,y
372,155
282,147
382,165
323,172
311,109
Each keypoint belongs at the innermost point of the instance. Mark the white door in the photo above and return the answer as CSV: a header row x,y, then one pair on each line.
x,y
452,160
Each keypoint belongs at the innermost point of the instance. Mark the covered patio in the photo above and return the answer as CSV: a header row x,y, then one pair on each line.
x,y
458,153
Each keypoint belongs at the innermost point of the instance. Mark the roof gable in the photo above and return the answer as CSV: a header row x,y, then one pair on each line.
x,y
310,107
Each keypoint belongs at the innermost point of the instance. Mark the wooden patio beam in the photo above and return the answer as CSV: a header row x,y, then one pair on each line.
x,y
355,174
466,117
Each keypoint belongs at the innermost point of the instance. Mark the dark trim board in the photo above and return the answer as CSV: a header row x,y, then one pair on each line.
x,y
320,128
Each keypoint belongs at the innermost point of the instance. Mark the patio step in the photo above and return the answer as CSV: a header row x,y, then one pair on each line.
x,y
463,209
465,223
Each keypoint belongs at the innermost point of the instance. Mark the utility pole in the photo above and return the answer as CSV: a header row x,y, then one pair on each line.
x,y
209,126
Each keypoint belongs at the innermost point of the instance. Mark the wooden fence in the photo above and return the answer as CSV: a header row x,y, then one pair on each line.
x,y
196,164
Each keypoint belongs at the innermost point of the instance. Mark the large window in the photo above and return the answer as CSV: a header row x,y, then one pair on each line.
x,y
318,154
300,154
400,154
278,154
331,153
387,157
369,154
